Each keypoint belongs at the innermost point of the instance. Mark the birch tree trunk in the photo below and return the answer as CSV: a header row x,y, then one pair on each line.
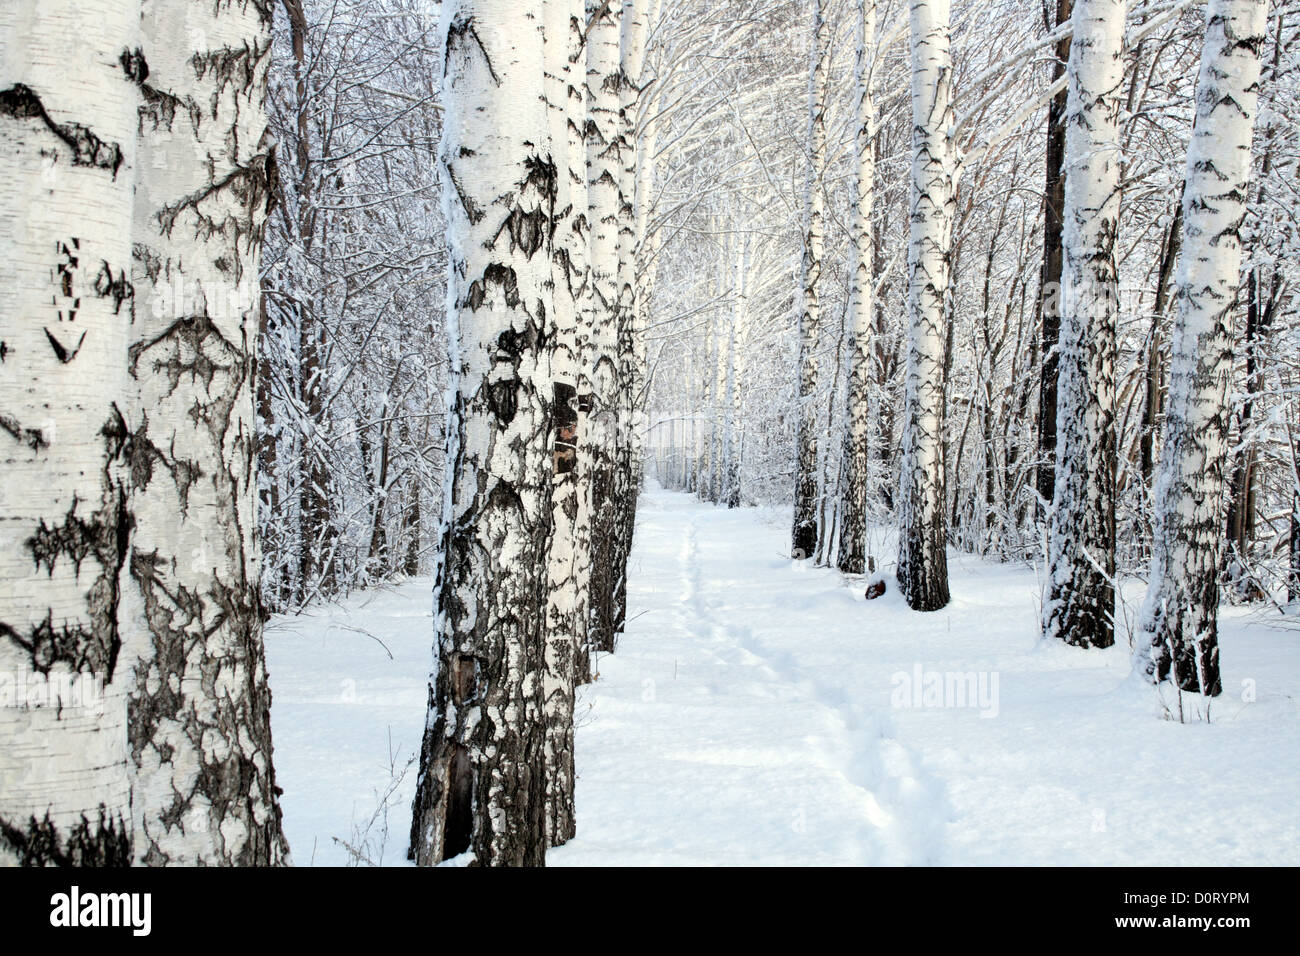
x,y
482,782
575,240
604,203
569,561
805,532
1180,615
67,122
200,730
1079,603
857,423
922,537
736,369
632,357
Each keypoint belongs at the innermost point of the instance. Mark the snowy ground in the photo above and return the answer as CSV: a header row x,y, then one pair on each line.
x,y
755,714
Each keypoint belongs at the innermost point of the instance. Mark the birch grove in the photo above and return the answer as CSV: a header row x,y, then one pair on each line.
x,y
309,301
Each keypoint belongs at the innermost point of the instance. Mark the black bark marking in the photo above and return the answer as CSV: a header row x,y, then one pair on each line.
x,y
565,424
61,351
103,842
251,186
460,29
33,438
472,210
119,288
530,230
191,334
21,102
134,65
494,274
104,535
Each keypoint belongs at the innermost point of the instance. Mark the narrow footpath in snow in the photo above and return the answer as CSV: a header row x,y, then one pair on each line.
x,y
761,711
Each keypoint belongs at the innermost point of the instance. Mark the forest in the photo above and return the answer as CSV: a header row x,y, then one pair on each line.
x,y
649,432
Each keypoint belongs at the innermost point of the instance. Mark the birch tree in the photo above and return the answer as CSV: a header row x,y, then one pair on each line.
x,y
569,561
804,538
1180,615
481,785
857,428
68,128
632,33
604,205
922,538
1078,606
733,435
200,733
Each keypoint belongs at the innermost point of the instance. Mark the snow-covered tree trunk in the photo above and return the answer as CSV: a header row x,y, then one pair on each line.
x,y
708,378
482,783
805,531
735,370
857,420
1079,599
569,562
604,203
922,528
67,122
718,384
1180,615
200,731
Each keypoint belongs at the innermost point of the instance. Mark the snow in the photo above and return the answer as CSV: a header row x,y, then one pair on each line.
x,y
749,717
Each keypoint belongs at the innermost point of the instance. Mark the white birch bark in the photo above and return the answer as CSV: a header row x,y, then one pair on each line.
x,y
735,373
67,122
719,384
922,559
482,785
569,561
1180,615
805,531
1079,599
200,733
632,357
857,421
575,239
604,204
